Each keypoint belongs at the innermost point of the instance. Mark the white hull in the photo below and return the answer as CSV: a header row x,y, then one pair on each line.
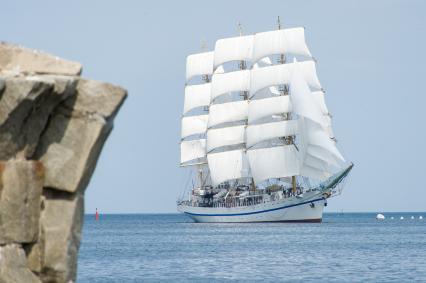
x,y
308,208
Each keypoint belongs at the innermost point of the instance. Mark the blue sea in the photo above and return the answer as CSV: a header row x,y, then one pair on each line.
x,y
349,247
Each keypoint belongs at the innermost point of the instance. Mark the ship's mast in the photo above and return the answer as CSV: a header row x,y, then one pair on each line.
x,y
206,79
284,91
242,65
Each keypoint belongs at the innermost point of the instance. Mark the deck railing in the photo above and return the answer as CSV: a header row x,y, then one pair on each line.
x,y
238,201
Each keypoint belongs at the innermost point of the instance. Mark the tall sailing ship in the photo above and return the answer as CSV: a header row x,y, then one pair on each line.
x,y
257,132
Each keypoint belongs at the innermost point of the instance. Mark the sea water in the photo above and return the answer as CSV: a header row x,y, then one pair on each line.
x,y
349,247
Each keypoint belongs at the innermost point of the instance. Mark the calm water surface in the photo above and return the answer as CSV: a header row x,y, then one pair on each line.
x,y
350,247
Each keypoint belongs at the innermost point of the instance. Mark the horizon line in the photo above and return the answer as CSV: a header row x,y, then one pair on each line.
x,y
153,213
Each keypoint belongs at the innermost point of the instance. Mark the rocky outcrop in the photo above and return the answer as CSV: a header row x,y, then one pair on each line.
x,y
21,60
13,266
20,193
53,124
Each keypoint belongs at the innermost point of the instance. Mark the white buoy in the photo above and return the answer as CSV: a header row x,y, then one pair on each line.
x,y
402,218
412,217
380,216
392,217
420,217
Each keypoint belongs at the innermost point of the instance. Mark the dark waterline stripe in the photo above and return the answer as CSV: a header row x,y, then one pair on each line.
x,y
255,212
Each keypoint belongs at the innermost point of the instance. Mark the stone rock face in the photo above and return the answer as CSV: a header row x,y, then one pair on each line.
x,y
18,59
53,257
2,85
20,125
13,266
21,185
71,156
53,125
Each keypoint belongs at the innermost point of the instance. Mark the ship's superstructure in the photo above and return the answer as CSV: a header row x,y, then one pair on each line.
x,y
257,131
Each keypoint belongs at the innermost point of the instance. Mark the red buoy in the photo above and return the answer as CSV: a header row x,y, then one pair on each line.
x,y
97,215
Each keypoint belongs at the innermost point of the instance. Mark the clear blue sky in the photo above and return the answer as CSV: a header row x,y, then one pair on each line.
x,y
371,62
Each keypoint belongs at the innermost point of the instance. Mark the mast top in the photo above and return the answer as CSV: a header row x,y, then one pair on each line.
x,y
240,29
203,45
279,22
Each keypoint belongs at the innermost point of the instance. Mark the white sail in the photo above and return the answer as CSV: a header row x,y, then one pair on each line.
x,y
227,112
196,96
219,70
314,173
193,149
228,165
328,127
267,131
265,107
281,74
283,41
323,154
317,163
229,82
320,101
193,125
273,162
268,91
315,135
199,64
266,61
314,141
233,49
303,100
225,136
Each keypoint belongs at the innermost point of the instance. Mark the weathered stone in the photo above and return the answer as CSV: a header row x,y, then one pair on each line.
x,y
19,90
19,59
62,121
13,266
20,191
71,160
97,97
70,156
54,256
25,107
2,85
35,252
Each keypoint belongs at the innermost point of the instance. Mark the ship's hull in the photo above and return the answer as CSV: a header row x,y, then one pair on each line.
x,y
308,208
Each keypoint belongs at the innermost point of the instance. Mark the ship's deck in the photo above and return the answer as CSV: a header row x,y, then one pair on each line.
x,y
254,198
